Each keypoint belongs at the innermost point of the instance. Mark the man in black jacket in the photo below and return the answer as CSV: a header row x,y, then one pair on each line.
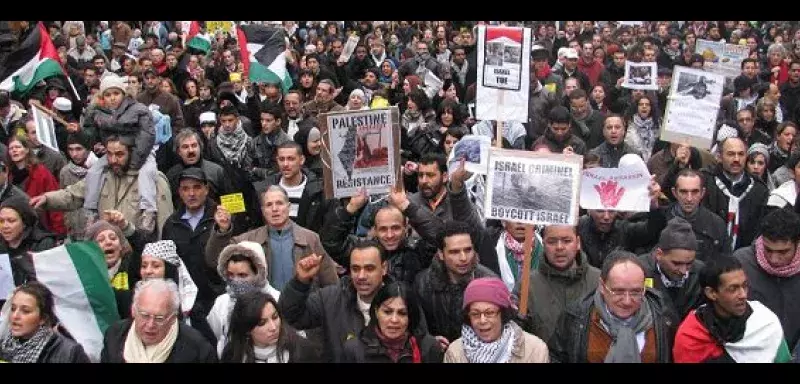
x,y
673,269
189,227
305,190
155,319
189,147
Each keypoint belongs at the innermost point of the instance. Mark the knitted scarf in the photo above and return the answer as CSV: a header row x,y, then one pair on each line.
x,y
233,144
77,170
478,351
788,270
516,248
16,350
134,351
647,136
394,347
582,123
623,332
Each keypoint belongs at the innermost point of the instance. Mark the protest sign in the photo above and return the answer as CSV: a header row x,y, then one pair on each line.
x,y
233,202
533,188
212,27
348,49
45,127
6,277
361,149
640,76
692,106
631,23
503,73
721,58
475,151
624,188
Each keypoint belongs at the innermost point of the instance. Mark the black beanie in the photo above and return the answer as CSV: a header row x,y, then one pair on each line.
x,y
677,235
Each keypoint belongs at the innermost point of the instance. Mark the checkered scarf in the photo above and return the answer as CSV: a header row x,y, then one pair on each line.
x,y
16,350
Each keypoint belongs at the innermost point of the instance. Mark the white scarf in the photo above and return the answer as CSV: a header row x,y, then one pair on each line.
x,y
733,209
136,352
269,355
763,336
363,306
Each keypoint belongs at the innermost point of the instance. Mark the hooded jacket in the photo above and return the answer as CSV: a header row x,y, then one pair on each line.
x,y
131,121
219,316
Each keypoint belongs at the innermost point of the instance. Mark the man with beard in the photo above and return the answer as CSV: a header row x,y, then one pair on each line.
x,y
587,123
772,266
558,137
117,192
421,62
729,328
323,101
461,73
709,229
294,119
79,151
189,147
733,194
603,231
563,277
167,104
440,287
672,267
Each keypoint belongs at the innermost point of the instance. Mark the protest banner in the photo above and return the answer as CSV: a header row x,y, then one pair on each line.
x,y
233,202
475,151
721,58
631,23
640,76
360,149
533,188
692,106
212,27
45,127
625,188
503,73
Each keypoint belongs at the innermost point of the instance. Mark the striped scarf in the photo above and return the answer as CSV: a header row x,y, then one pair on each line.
x,y
478,351
733,209
788,270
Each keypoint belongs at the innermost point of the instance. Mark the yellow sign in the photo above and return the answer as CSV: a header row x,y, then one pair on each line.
x,y
648,282
234,203
212,27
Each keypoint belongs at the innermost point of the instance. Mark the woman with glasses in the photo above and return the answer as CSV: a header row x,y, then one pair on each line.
x,y
621,322
390,338
489,334
32,335
258,334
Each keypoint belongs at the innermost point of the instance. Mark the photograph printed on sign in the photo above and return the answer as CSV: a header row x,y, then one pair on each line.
x,y
502,59
475,151
692,107
699,87
640,76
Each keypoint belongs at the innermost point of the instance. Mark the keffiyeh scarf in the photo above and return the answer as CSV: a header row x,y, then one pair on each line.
x,y
477,351
16,350
233,144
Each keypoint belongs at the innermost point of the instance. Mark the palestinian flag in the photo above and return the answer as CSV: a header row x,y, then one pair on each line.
x,y
198,42
763,340
263,52
85,304
35,60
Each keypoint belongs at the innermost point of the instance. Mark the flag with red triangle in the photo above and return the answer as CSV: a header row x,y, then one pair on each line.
x,y
36,59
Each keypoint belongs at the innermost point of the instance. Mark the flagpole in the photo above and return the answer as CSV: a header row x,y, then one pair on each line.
x,y
74,90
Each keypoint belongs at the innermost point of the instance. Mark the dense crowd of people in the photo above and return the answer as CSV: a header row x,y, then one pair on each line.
x,y
151,133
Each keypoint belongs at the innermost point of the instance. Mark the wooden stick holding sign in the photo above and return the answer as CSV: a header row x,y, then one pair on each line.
x,y
52,114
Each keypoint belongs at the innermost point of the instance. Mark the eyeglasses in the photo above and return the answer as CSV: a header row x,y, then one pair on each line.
x,y
490,314
157,319
619,294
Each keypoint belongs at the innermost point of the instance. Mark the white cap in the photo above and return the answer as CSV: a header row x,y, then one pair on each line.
x,y
208,117
571,53
561,52
62,104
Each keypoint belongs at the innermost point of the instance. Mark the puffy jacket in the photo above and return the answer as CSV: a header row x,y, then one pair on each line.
x,y
441,300
131,120
569,342
611,154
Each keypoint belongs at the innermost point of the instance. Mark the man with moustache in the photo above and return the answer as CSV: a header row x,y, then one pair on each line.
x,y
189,147
294,121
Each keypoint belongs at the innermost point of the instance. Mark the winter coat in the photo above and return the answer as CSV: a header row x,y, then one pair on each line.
x,y
39,181
550,292
131,120
441,300
218,182
367,348
75,221
548,139
168,104
117,193
189,347
263,149
527,348
569,343
540,102
610,155
312,206
624,234
62,349
53,160
682,300
710,231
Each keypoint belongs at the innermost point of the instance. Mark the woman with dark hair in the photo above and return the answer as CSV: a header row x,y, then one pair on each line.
x,y
449,114
451,137
34,179
311,141
258,334
33,335
21,234
643,127
757,162
598,97
781,147
392,334
489,334
191,106
419,134
307,84
786,193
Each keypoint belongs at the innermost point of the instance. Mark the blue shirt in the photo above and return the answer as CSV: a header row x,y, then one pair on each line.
x,y
193,219
281,263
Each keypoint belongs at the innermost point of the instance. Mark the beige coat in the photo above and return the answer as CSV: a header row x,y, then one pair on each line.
x,y
527,349
118,193
305,243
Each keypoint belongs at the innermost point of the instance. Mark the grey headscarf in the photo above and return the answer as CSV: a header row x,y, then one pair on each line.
x,y
624,348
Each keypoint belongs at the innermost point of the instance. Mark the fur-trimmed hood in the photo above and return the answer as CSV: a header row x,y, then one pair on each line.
x,y
250,249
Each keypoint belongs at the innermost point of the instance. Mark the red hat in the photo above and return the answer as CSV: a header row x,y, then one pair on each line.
x,y
487,289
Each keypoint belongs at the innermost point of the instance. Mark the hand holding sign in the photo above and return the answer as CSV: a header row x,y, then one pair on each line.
x,y
458,176
223,219
358,201
398,197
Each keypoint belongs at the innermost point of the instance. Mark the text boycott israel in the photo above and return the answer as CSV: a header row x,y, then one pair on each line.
x,y
533,188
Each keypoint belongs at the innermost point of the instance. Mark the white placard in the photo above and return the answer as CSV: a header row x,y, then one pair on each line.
x,y
624,188
475,151
692,106
6,277
503,73
641,76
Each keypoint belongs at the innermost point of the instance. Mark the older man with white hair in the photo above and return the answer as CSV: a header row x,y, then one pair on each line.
x,y
154,334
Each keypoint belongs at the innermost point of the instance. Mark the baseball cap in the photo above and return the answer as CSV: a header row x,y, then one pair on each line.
x,y
571,53
193,173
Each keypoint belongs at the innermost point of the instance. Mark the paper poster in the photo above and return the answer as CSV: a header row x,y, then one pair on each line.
x,y
640,76
475,151
234,203
212,27
625,188
631,23
363,151
533,188
503,73
692,107
45,128
348,49
721,58
6,277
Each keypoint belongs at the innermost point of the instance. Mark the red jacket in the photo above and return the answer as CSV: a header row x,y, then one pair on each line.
x,y
783,75
592,71
39,181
